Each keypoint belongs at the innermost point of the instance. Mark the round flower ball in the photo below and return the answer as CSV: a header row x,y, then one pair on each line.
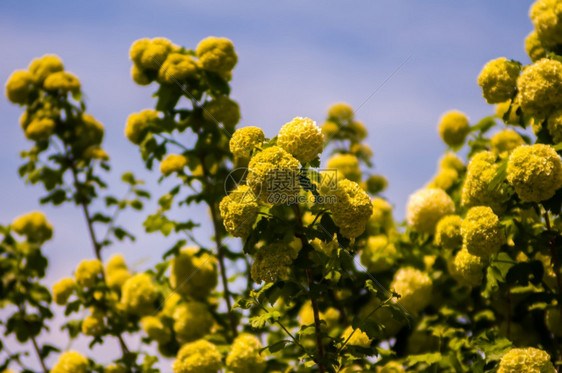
x,y
34,226
62,290
498,80
526,360
222,110
453,128
178,67
426,207
192,320
198,357
19,86
93,325
535,172
479,174
302,138
352,209
452,161
62,82
379,254
346,164
44,66
505,141
245,355
138,295
448,232
381,221
445,179
468,268
155,329
540,87
271,262
245,140
139,125
414,287
40,129
341,112
216,54
173,163
88,273
482,233
71,361
376,184
547,18
554,126
534,47
239,211
273,175
150,54
194,274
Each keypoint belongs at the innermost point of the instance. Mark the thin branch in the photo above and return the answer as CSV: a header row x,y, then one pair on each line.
x,y
33,340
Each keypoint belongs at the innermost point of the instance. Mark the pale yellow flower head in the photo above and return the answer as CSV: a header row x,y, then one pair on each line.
x,y
451,160
358,129
535,172
533,47
155,329
239,211
18,86
414,287
498,79
448,232
150,54
540,87
302,138
178,68
505,141
44,66
139,124
346,164
138,295
426,207
192,320
245,355
62,290
526,360
376,184
453,128
216,54
480,173
245,140
341,112
468,268
193,274
40,129
34,226
88,131
88,273
222,110
379,254
359,337
547,18
445,179
71,361
352,208
94,324
63,82
173,163
116,271
272,262
554,126
330,129
482,232
95,152
198,357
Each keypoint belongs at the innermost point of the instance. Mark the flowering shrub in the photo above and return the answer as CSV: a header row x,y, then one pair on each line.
x,y
320,276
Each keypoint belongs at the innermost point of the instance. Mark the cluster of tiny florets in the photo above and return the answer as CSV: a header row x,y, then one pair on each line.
x,y
346,164
139,294
554,126
245,355
139,125
302,138
482,232
198,357
453,128
239,211
535,172
526,360
379,254
116,272
352,208
71,361
272,262
155,329
480,173
426,207
448,232
534,47
414,287
194,274
62,290
217,55
192,320
245,140
376,184
505,141
222,110
34,226
94,324
88,273
452,161
468,268
498,80
547,18
173,163
540,87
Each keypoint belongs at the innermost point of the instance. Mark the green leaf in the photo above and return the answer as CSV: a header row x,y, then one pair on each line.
x,y
484,124
168,96
499,177
243,303
218,85
429,359
276,347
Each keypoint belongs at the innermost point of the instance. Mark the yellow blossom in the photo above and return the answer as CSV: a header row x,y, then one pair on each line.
x,y
272,262
62,290
426,207
178,67
245,140
44,66
526,360
480,173
540,87
216,54
341,112
222,110
453,128
376,184
302,138
192,320
414,287
358,338
150,54
19,86
547,18
155,329
34,226
448,232
505,141
239,211
482,232
533,47
173,163
71,361
379,254
88,273
498,79
198,357
451,160
468,268
245,355
138,295
139,124
93,325
381,221
352,208
62,81
346,164
194,274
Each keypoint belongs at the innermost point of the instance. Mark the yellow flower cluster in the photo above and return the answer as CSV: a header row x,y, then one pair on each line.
x,y
379,254
94,152
547,18
148,56
245,355
71,361
217,55
346,164
341,112
88,273
426,207
448,232
274,261
222,110
62,290
193,274
414,287
480,173
498,80
352,208
138,295
535,172
116,272
140,124
330,316
273,175
245,140
19,86
302,138
93,325
482,233
192,320
376,184
178,67
198,357
452,161
44,66
505,141
526,360
62,82
173,163
445,179
554,126
34,226
513,117
540,87
155,329
359,337
381,221
533,47
41,124
468,268
239,211
453,128
88,132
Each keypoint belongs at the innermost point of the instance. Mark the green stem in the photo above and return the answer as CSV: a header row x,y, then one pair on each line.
x,y
33,340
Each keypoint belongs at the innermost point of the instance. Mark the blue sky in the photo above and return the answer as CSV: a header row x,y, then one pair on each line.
x,y
295,59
